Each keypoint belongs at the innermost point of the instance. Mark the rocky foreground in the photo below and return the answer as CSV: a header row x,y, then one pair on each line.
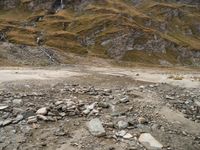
x,y
98,112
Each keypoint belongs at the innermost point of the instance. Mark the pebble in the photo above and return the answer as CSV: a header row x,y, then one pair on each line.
x,y
142,120
42,111
32,119
124,100
18,118
127,136
169,97
121,133
96,128
58,103
42,117
17,102
122,125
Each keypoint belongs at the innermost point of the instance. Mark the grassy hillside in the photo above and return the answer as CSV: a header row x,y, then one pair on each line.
x,y
144,32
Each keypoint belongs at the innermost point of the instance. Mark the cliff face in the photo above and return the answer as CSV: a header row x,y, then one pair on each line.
x,y
148,31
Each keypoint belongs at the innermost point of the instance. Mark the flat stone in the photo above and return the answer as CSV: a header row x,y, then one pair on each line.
x,y
124,100
32,119
121,133
127,136
41,117
7,122
96,128
149,142
58,103
122,124
18,118
3,107
42,111
169,97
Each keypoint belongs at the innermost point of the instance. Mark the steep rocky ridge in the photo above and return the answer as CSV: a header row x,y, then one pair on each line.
x,y
163,32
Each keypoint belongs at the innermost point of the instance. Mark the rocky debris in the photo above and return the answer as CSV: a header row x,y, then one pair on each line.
x,y
150,142
96,128
69,107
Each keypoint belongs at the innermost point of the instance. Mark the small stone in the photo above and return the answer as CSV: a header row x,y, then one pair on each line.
x,y
122,124
32,119
103,105
96,128
86,112
124,100
141,87
62,114
169,97
151,86
3,107
121,133
17,102
142,120
18,118
42,111
91,106
150,142
127,136
41,117
58,103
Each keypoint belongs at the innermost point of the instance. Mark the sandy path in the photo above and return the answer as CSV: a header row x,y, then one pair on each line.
x,y
147,75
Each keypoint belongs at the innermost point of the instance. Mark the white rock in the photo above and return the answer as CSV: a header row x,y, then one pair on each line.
x,y
41,117
42,111
7,122
32,119
96,128
149,142
169,97
2,107
127,136
91,106
120,133
58,103
141,87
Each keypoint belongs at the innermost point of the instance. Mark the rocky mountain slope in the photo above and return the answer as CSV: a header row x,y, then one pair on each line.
x,y
165,32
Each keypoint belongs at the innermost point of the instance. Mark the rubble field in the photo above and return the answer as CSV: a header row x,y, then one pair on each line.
x,y
93,108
